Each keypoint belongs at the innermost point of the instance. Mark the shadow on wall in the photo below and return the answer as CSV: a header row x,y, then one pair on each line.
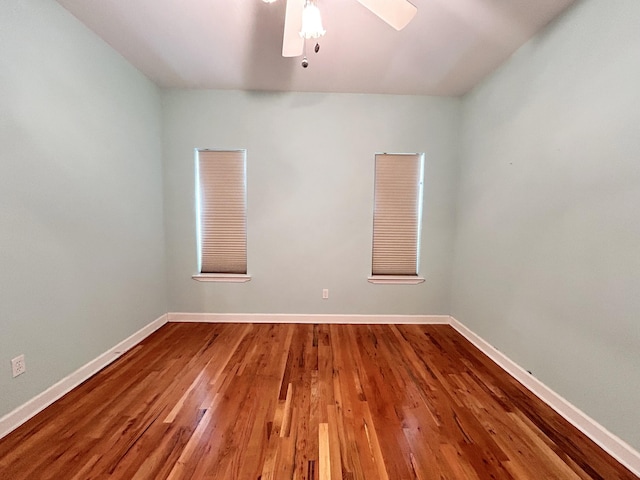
x,y
265,49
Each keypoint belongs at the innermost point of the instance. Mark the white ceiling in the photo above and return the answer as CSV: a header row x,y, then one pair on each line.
x,y
236,44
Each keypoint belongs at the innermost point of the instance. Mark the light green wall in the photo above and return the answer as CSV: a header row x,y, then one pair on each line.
x,y
310,161
547,259
81,233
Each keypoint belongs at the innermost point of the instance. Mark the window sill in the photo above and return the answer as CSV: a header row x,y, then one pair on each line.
x,y
395,279
222,277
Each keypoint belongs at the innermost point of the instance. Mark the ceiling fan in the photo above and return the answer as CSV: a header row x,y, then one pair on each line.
x,y
397,13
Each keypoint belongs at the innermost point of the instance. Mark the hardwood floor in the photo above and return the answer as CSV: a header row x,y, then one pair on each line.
x,y
281,401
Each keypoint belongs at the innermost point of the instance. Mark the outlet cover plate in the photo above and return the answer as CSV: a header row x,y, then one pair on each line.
x,y
18,366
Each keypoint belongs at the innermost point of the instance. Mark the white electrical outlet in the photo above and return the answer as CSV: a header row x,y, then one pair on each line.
x,y
325,293
18,366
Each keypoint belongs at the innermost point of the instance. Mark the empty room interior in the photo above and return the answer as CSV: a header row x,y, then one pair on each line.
x,y
510,348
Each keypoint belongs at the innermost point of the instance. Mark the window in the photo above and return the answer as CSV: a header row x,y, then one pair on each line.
x,y
221,215
397,218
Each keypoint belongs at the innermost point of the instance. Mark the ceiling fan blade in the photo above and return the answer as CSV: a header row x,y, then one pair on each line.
x,y
397,13
292,42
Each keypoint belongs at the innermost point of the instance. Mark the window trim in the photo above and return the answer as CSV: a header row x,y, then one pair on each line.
x,y
222,277
396,279
401,279
217,276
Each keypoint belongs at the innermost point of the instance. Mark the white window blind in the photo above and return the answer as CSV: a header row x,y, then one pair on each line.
x,y
222,211
397,212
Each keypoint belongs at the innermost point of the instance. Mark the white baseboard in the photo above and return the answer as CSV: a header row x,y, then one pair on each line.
x,y
17,417
614,446
303,318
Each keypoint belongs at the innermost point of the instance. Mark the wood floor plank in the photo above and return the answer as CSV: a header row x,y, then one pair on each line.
x,y
324,456
333,443
312,402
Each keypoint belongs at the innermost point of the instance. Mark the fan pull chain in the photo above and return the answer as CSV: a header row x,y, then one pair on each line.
x,y
305,60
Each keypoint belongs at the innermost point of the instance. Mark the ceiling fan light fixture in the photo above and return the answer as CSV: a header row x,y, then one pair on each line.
x,y
311,21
